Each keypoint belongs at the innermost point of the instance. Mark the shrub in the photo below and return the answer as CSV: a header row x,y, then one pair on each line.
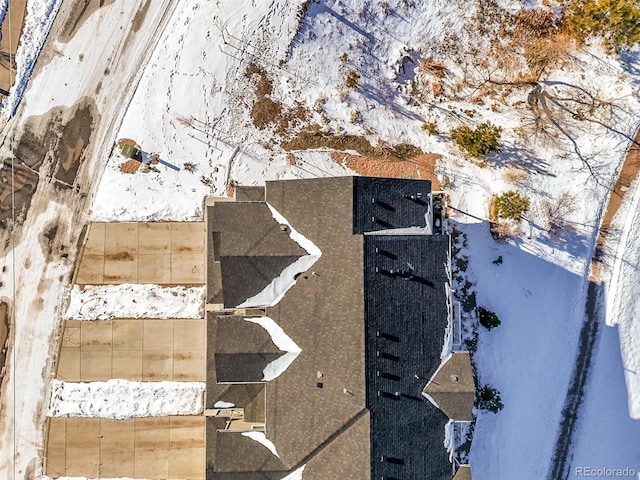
x,y
353,78
431,128
487,318
617,21
484,139
512,205
344,57
489,399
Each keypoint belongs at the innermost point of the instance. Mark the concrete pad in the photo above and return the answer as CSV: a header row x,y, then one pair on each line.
x,y
95,365
154,238
127,334
186,457
56,451
71,337
188,366
83,447
152,447
116,447
189,334
158,335
188,237
69,365
91,270
121,238
157,366
96,335
95,240
127,365
154,268
187,268
122,269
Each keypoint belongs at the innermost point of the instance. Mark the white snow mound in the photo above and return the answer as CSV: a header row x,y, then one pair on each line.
x,y
123,399
104,302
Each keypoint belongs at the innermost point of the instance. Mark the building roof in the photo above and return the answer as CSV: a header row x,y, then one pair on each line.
x,y
243,350
245,193
370,318
406,319
452,387
386,203
251,248
463,473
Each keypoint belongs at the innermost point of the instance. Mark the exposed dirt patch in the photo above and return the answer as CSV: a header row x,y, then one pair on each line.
x,y
54,142
630,171
74,137
141,14
268,113
383,151
130,166
120,256
81,11
419,167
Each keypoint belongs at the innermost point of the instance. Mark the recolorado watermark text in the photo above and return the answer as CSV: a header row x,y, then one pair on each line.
x,y
602,472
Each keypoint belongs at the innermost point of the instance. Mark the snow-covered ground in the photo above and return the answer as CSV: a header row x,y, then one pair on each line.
x,y
104,302
122,399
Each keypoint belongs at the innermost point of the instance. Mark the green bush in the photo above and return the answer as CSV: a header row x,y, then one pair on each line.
x,y
487,318
353,78
616,21
512,205
489,399
431,128
484,139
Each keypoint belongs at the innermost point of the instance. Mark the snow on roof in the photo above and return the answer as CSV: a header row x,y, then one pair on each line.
x,y
279,286
281,340
262,439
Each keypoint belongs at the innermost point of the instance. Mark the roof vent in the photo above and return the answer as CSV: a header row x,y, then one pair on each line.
x,y
283,228
454,378
319,385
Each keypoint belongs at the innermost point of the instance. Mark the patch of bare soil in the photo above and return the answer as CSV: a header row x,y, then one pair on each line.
x,y
130,166
266,112
418,167
49,147
81,10
74,137
629,172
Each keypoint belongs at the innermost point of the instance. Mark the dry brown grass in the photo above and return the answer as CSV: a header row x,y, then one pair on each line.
x,y
515,175
265,111
418,167
313,140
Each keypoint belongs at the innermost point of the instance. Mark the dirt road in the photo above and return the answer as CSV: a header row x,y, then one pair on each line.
x,y
561,462
58,160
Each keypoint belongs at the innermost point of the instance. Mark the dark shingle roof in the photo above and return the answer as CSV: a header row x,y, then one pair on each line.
x,y
406,317
243,350
252,249
249,193
379,203
245,276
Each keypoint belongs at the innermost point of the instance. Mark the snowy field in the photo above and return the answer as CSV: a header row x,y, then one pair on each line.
x,y
191,106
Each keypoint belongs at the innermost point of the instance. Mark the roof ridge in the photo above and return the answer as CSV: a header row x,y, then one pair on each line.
x,y
330,439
